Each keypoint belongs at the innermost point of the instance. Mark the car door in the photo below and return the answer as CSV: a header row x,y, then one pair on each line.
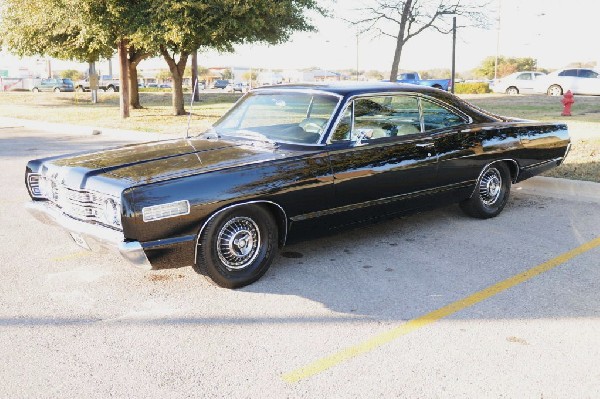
x,y
588,82
525,82
46,85
379,154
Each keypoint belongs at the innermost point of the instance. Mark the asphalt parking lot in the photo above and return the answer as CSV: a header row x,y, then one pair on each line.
x,y
432,305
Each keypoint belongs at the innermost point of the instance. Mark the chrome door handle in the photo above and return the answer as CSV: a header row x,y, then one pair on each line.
x,y
424,145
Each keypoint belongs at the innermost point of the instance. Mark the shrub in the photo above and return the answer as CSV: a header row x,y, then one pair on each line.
x,y
472,88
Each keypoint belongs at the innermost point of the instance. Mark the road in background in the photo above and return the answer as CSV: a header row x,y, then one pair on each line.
x,y
81,324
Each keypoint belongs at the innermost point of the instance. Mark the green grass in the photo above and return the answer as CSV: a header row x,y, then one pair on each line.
x,y
76,108
583,162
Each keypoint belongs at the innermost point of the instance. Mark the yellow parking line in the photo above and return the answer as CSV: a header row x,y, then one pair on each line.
x,y
75,255
414,324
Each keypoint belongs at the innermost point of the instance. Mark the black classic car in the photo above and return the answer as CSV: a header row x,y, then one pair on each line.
x,y
285,157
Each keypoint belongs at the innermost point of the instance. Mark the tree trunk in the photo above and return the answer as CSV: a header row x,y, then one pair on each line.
x,y
123,78
400,40
135,57
177,69
134,94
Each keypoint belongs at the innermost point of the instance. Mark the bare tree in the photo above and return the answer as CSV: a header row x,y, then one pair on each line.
x,y
403,20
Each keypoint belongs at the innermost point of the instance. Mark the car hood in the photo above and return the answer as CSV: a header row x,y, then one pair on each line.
x,y
161,160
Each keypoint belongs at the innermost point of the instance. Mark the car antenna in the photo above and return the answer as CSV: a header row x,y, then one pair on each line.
x,y
187,132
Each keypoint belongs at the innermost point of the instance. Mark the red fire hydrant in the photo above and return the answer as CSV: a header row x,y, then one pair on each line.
x,y
567,101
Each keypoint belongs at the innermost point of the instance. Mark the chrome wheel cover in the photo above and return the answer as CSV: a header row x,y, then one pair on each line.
x,y
490,186
554,91
238,243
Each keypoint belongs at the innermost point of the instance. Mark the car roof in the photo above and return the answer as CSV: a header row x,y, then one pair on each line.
x,y
354,88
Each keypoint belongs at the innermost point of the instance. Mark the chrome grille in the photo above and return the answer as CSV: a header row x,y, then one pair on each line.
x,y
79,204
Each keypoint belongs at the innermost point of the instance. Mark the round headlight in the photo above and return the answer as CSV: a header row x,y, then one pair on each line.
x,y
112,213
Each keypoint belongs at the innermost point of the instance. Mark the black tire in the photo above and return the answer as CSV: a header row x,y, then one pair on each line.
x,y
35,90
110,89
56,90
237,246
79,89
491,192
512,90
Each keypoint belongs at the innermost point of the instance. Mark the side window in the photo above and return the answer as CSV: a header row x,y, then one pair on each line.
x,y
379,117
524,76
437,117
568,72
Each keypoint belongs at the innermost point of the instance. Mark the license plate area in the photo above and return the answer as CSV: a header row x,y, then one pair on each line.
x,y
79,240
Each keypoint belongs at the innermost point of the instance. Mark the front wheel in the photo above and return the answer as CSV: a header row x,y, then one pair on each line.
x,y
110,89
511,91
56,90
555,90
491,192
35,90
237,246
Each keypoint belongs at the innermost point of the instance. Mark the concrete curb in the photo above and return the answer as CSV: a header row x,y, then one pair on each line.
x,y
69,129
576,190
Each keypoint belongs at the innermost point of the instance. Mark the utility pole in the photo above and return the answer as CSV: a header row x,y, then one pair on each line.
x,y
453,54
195,76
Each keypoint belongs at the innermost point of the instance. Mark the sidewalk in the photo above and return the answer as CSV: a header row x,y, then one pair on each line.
x,y
560,188
86,130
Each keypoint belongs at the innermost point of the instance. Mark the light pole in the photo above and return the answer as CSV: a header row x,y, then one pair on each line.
x,y
357,56
453,54
498,39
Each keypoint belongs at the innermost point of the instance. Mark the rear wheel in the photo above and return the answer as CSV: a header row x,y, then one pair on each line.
x,y
79,89
555,90
56,90
237,246
512,91
110,89
491,192
35,90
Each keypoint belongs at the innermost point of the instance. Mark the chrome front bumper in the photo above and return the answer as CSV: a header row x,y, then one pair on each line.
x,y
96,237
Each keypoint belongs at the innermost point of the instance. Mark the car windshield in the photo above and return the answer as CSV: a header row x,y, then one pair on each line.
x,y
289,117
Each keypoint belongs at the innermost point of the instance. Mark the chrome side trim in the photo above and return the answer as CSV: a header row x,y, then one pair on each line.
x,y
380,201
285,219
535,165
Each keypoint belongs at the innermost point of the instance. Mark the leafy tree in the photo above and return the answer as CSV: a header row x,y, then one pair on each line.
x,y
182,27
82,30
227,74
506,66
163,74
63,29
404,19
72,74
250,76
438,73
374,75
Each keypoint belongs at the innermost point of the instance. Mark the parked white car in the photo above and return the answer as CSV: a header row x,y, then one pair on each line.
x,y
516,83
578,80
